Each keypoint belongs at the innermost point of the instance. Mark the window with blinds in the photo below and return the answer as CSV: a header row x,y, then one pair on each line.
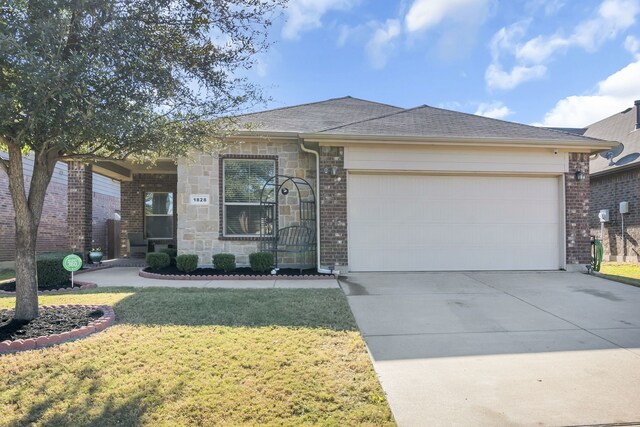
x,y
158,215
242,184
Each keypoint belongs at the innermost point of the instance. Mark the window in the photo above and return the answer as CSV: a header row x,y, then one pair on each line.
x,y
158,215
243,182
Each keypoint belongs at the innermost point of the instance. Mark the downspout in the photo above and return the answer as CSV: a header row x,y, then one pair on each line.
x,y
319,268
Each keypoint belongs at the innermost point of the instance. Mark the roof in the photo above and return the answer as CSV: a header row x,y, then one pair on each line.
x,y
619,127
353,118
316,116
430,122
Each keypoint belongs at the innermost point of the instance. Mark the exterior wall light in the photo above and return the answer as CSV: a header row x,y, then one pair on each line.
x,y
579,175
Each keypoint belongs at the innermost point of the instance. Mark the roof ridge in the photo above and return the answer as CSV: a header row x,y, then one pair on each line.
x,y
512,123
313,103
404,110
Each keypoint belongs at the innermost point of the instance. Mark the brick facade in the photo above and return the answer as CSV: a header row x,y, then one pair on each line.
x,y
607,192
53,229
577,211
80,207
132,204
333,208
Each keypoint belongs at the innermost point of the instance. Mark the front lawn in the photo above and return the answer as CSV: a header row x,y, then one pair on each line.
x,y
624,272
200,357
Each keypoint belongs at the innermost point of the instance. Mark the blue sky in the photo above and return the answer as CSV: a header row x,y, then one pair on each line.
x,y
549,62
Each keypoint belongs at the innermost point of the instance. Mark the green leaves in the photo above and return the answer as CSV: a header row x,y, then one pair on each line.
x,y
116,79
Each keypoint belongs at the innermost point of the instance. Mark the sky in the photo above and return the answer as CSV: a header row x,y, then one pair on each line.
x,y
544,62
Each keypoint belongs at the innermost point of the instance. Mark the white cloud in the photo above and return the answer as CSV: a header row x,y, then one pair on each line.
x,y
531,56
305,15
494,110
497,78
425,14
632,44
381,44
614,94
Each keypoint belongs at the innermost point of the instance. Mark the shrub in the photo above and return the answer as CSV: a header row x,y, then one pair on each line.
x,y
261,261
224,262
51,273
172,252
187,262
157,260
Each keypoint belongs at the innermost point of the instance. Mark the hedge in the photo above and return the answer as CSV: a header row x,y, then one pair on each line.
x,y
187,262
224,262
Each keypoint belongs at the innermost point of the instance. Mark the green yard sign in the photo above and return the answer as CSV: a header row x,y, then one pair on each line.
x,y
72,263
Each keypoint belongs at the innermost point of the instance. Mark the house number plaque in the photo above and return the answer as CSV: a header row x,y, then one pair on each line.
x,y
199,199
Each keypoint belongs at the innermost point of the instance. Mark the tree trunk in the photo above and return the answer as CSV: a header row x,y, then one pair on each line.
x,y
28,211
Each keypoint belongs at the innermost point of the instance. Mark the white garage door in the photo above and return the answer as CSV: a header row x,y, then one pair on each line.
x,y
431,223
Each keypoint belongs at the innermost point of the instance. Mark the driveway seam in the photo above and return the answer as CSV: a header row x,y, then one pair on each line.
x,y
470,333
554,315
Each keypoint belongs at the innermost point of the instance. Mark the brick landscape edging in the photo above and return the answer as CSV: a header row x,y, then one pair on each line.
x,y
104,321
148,275
78,286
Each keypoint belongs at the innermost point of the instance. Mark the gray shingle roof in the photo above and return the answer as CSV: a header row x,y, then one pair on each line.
x,y
316,116
357,117
619,127
428,121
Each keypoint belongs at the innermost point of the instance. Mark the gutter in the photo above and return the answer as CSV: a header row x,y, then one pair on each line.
x,y
587,144
318,267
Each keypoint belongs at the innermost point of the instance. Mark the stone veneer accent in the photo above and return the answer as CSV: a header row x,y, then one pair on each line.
x,y
132,204
607,192
80,207
333,208
578,248
199,226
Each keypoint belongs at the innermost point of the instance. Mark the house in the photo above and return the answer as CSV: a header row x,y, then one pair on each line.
x,y
615,178
393,189
103,198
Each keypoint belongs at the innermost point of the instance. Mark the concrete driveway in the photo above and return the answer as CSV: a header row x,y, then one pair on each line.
x,y
502,348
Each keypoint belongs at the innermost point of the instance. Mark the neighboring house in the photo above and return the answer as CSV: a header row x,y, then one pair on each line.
x,y
617,181
53,234
396,190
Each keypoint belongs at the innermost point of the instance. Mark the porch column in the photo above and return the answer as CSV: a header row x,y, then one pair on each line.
x,y
80,207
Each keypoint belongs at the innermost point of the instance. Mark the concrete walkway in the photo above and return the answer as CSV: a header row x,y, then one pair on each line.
x,y
128,276
503,349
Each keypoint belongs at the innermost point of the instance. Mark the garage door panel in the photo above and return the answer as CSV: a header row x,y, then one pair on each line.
x,y
422,223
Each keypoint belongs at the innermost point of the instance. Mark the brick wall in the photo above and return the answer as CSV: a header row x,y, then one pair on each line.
x,y
577,211
606,193
132,203
52,234
333,207
80,208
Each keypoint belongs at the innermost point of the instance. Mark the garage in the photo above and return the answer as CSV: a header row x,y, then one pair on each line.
x,y
403,221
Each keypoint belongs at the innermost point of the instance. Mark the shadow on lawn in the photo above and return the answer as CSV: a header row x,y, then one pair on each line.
x,y
309,308
83,409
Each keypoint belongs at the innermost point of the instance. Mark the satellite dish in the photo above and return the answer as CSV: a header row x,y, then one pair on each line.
x,y
624,160
612,152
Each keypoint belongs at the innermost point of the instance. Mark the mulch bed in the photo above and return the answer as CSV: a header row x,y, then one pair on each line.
x,y
239,273
10,287
52,320
56,324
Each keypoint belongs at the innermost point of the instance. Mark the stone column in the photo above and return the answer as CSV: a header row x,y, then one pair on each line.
x,y
80,207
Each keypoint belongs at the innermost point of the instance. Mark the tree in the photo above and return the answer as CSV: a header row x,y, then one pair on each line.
x,y
116,79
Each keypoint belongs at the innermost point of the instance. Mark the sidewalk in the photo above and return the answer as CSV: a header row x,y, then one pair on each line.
x,y
128,276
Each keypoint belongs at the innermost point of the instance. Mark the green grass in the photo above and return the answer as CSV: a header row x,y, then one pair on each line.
x,y
622,272
7,273
179,357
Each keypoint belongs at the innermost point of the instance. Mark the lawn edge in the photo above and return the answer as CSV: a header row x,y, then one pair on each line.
x,y
103,322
